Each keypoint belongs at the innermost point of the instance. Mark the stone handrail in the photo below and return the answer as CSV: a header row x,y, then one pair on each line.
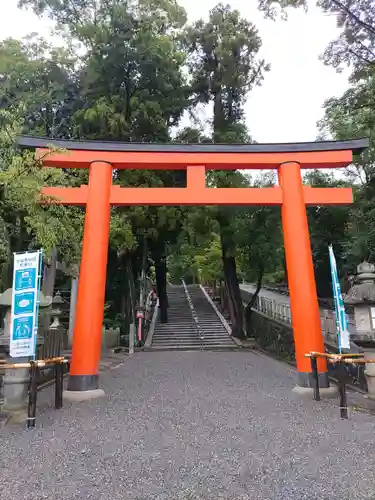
x,y
282,312
194,314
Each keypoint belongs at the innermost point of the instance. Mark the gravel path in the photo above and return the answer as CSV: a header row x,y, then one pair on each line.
x,y
202,425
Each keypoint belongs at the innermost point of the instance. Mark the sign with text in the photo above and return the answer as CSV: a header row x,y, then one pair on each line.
x,y
24,313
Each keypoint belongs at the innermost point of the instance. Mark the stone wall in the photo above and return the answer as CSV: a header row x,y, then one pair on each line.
x,y
272,335
110,338
276,338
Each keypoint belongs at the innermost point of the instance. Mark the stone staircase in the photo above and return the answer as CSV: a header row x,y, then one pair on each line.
x,y
181,332
214,332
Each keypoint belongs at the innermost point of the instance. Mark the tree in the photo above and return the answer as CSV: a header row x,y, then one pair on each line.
x,y
224,66
41,77
259,241
26,221
209,262
131,81
352,116
132,87
328,225
356,42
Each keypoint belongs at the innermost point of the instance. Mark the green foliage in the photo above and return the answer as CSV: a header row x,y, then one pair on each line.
x,y
328,225
224,66
37,77
209,263
356,20
130,70
25,222
131,85
352,115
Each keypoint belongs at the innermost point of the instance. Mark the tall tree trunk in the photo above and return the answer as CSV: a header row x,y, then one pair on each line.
x,y
131,286
235,305
285,272
161,287
143,291
161,284
250,305
49,275
236,309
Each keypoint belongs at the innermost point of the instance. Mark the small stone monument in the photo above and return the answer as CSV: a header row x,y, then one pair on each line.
x,y
361,297
57,310
15,387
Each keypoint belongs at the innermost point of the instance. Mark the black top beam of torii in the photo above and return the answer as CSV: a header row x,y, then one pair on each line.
x,y
357,146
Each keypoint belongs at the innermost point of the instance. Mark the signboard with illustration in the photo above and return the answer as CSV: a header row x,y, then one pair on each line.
x,y
25,302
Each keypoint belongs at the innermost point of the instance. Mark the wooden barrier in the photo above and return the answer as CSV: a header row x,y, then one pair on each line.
x,y
340,359
34,366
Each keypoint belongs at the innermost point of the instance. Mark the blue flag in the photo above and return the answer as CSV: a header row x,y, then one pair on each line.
x,y
341,317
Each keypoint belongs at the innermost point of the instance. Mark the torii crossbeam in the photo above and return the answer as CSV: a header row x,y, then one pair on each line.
x,y
288,159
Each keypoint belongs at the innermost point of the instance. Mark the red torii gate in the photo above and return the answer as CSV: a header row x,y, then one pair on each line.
x,y
102,157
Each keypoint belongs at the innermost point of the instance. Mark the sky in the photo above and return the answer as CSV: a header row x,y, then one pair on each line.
x,y
289,103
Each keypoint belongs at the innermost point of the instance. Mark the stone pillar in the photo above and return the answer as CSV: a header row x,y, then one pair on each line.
x,y
72,312
16,382
303,296
48,286
361,297
87,340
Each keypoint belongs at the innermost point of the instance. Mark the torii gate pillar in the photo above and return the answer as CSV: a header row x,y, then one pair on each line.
x,y
99,195
301,279
87,340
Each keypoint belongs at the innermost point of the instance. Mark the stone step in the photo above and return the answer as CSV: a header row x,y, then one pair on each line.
x,y
167,326
207,335
214,328
175,335
193,342
172,325
214,347
218,331
176,331
177,318
180,338
181,345
175,338
181,332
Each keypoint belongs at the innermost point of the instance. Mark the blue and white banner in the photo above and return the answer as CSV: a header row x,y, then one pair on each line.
x,y
341,317
25,304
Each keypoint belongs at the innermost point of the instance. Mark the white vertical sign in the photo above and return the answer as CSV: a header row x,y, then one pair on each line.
x,y
25,302
341,317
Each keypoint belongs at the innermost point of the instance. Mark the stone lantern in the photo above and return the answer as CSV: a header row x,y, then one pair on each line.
x,y
57,310
15,386
361,297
